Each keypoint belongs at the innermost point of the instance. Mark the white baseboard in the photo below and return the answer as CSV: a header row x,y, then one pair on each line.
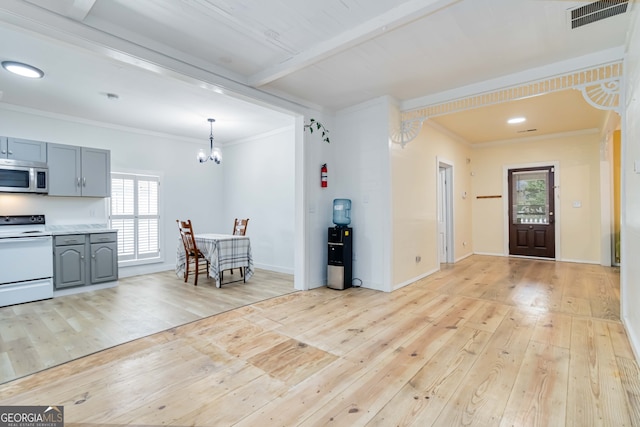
x,y
579,261
137,270
463,257
489,254
635,345
276,268
82,289
415,279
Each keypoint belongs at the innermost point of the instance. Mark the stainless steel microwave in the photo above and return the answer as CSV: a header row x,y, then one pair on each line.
x,y
23,177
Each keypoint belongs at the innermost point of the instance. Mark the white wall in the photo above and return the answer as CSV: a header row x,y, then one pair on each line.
x,y
313,200
630,226
259,179
188,189
578,177
415,209
360,171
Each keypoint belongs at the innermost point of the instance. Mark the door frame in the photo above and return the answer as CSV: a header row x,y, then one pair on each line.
x,y
556,192
448,205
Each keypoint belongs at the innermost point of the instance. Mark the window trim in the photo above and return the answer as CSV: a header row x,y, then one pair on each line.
x,y
155,257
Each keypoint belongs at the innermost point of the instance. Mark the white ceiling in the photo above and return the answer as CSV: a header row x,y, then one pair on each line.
x,y
173,63
553,113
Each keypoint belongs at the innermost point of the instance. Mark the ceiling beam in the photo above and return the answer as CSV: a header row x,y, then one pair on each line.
x,y
80,9
407,12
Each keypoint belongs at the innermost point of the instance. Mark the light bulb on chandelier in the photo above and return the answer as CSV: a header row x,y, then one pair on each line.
x,y
214,153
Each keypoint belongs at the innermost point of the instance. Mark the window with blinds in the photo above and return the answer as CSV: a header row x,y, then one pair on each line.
x,y
135,214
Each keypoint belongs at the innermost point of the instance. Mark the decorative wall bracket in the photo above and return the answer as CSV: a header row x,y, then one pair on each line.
x,y
604,96
407,132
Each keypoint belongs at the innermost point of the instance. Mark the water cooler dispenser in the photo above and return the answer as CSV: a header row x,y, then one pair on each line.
x,y
340,247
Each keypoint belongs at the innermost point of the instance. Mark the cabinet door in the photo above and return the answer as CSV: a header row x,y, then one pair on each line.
x,y
104,262
25,149
64,170
96,172
70,266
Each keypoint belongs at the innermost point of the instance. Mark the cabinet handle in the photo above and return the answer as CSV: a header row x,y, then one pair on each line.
x,y
78,184
84,181
3,152
10,152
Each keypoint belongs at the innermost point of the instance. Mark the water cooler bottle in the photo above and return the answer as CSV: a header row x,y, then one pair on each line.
x,y
340,247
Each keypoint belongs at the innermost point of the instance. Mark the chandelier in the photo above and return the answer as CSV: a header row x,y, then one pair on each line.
x,y
214,153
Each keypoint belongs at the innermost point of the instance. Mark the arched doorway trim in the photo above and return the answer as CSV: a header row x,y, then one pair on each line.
x,y
600,86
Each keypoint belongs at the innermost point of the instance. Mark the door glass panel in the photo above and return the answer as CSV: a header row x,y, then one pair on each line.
x,y
530,197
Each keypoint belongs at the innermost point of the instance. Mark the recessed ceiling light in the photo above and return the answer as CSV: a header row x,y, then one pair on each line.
x,y
24,70
516,120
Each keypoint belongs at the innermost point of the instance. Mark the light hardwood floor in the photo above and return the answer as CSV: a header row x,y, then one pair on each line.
x,y
42,334
487,342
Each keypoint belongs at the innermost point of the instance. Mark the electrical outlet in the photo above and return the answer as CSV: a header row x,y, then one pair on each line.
x,y
418,258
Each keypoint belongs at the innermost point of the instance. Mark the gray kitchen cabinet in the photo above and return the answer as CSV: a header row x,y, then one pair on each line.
x,y
23,149
78,171
69,261
85,259
104,257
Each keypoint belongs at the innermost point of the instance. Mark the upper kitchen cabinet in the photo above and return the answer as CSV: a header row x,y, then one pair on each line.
x,y
23,149
78,171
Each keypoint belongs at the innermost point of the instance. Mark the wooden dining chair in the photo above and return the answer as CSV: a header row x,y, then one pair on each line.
x,y
240,226
239,229
192,253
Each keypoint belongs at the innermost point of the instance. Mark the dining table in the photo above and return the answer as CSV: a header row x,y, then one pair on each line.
x,y
223,251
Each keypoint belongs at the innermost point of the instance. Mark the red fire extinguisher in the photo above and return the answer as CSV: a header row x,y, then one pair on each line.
x,y
323,176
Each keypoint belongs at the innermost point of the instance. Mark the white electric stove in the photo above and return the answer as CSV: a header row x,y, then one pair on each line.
x,y
26,259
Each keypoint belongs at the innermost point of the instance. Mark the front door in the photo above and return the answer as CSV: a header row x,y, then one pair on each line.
x,y
531,212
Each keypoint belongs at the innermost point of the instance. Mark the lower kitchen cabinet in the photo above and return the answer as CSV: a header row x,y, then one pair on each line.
x,y
69,261
104,257
85,259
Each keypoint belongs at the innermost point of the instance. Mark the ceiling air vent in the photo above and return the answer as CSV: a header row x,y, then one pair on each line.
x,y
596,11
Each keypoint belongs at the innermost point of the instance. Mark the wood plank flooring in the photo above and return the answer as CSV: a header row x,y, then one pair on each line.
x,y
486,342
42,334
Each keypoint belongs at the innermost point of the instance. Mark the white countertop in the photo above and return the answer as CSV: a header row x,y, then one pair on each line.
x,y
60,230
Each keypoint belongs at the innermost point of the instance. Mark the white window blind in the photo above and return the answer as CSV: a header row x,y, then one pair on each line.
x,y
135,214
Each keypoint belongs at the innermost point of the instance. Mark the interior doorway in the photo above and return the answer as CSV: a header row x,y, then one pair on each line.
x,y
445,212
532,211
